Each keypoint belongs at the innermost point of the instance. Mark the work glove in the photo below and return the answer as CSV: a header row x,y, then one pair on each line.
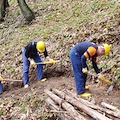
x,y
101,77
52,61
84,70
1,79
32,62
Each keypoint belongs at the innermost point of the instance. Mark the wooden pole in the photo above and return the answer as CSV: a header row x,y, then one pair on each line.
x,y
13,80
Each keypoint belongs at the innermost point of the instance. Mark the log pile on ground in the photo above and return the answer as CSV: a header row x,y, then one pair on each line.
x,y
70,107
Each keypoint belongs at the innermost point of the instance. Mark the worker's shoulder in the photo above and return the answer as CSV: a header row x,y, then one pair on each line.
x,y
88,43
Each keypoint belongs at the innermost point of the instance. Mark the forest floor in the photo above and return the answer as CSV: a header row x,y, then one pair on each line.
x,y
61,24
97,89
17,92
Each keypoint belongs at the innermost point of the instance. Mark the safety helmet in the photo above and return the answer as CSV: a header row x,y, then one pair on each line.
x,y
41,46
107,49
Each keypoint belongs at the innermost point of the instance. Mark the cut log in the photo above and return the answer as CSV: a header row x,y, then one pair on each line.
x,y
96,107
68,107
94,114
55,108
106,105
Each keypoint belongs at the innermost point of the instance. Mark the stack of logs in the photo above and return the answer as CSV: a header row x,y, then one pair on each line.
x,y
70,107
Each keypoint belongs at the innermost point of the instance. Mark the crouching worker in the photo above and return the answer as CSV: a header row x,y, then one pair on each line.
x,y
1,86
31,56
78,55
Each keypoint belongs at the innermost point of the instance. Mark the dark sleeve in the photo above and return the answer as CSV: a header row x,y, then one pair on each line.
x,y
83,60
28,48
91,51
95,65
45,53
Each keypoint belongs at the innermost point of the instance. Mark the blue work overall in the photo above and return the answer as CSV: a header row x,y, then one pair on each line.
x,y
80,77
26,65
1,88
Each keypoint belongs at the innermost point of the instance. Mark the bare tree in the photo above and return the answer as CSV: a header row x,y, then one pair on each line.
x,y
2,10
26,11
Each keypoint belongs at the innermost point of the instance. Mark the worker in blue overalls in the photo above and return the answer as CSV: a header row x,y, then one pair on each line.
x,y
31,56
1,86
78,55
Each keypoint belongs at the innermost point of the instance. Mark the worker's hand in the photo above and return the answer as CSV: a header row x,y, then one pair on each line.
x,y
84,70
1,79
52,61
32,62
101,77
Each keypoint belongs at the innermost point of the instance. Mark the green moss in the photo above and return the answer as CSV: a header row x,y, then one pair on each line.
x,y
23,109
45,36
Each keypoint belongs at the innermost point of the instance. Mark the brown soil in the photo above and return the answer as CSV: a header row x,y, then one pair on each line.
x,y
61,82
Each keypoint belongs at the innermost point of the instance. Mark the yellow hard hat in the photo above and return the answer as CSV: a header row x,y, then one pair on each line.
x,y
107,49
41,46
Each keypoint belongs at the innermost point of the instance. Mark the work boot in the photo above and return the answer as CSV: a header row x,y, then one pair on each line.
x,y
86,88
85,95
43,80
26,86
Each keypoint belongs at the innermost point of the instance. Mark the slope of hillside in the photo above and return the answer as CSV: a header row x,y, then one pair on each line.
x,y
61,24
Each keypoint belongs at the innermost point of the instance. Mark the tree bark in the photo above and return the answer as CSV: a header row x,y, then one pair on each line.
x,y
27,12
6,4
94,114
53,106
2,12
114,113
109,106
3,5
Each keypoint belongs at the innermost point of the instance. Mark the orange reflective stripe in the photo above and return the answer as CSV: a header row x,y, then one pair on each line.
x,y
91,51
86,55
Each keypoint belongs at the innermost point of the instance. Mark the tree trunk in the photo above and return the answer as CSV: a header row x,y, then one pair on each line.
x,y
27,12
6,4
1,10
3,5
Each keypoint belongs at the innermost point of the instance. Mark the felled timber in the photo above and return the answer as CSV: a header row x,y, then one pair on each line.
x,y
68,107
56,109
114,112
94,114
111,107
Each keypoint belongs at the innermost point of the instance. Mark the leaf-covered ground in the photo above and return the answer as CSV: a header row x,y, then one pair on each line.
x,y
61,24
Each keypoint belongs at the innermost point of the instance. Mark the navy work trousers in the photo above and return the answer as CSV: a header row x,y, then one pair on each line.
x,y
1,88
80,77
26,65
